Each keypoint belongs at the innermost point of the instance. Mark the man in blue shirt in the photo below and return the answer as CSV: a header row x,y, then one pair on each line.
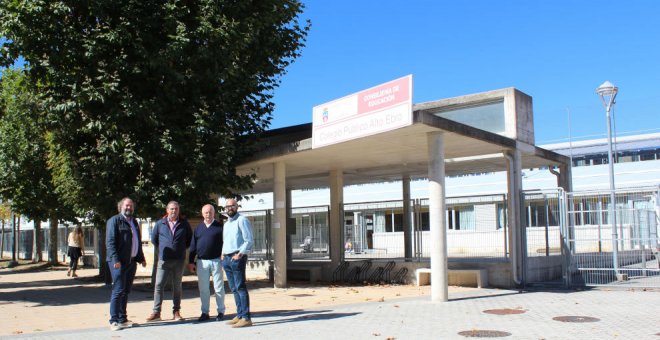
x,y
238,241
172,236
206,245
124,252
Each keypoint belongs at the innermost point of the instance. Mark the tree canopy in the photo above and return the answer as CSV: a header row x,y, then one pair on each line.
x,y
25,178
156,100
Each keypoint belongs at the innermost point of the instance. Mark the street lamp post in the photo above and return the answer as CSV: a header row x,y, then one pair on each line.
x,y
607,92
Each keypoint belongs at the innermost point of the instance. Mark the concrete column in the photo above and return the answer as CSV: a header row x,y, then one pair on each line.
x,y
437,208
515,213
290,228
565,180
279,224
407,219
336,216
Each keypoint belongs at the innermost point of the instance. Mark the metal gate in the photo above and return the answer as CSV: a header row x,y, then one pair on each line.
x,y
601,249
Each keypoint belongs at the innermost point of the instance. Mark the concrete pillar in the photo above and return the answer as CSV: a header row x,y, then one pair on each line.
x,y
565,180
515,211
437,208
279,224
336,216
407,219
290,228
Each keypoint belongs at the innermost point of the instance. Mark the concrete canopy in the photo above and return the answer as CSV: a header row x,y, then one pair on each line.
x,y
430,147
387,156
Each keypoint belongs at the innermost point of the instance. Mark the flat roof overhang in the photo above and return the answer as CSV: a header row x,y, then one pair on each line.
x,y
387,156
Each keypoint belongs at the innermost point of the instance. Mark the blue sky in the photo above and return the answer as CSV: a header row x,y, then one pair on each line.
x,y
558,52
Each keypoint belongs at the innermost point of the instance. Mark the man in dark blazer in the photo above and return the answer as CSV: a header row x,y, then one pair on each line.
x,y
124,251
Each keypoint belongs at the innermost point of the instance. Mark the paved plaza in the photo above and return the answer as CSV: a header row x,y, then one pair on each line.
x,y
508,314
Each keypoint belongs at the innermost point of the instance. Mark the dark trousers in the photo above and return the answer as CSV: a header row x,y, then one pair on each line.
x,y
122,281
235,271
74,255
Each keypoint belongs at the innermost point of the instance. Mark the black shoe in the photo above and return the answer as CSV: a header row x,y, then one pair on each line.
x,y
203,317
219,317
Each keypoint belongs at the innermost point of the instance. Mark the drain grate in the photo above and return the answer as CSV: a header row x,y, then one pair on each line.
x,y
483,333
504,311
573,318
301,295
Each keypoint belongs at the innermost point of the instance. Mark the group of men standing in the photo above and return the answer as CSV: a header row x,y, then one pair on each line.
x,y
213,247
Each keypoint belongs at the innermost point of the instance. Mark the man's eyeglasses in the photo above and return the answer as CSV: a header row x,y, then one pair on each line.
x,y
230,206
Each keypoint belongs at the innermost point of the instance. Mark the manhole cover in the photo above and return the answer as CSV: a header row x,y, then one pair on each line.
x,y
483,333
504,311
575,319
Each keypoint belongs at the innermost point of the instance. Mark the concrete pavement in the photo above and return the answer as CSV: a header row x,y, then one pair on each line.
x,y
597,314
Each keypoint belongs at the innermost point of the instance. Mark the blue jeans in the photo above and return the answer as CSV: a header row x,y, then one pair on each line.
x,y
235,270
168,270
122,281
206,268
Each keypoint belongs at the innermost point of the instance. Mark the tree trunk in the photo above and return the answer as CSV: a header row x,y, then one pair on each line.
x,y
104,270
52,237
18,237
13,237
2,241
36,242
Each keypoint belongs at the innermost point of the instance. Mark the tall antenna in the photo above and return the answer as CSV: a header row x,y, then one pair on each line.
x,y
570,139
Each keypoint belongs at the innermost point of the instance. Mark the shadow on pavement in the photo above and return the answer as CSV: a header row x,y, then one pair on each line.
x,y
301,315
281,316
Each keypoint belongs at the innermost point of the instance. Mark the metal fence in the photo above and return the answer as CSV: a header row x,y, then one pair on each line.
x,y
575,231
25,242
620,251
307,231
477,229
569,231
375,230
542,218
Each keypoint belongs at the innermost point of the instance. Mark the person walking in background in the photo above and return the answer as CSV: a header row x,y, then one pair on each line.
x,y
124,251
76,247
206,245
238,241
172,236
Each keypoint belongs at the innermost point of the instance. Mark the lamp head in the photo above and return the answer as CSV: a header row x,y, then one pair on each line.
x,y
607,92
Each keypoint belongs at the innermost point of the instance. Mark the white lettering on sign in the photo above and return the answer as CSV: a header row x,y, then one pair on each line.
x,y
378,109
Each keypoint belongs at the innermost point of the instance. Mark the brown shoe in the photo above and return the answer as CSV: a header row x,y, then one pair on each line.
x,y
177,316
233,321
155,316
242,323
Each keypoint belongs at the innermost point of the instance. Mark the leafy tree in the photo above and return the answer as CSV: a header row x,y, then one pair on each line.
x,y
156,100
153,99
24,175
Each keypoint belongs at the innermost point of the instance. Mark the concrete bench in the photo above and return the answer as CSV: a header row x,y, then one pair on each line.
x,y
456,277
311,274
